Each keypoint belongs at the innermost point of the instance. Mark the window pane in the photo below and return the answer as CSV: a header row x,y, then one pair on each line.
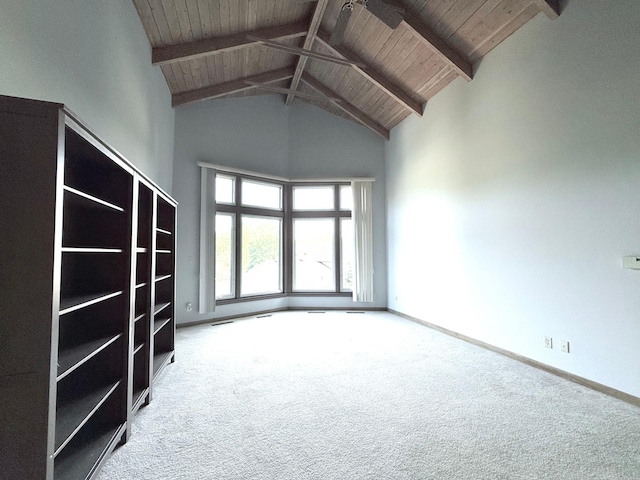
x,y
313,198
262,195
225,189
313,254
261,259
224,255
347,254
346,197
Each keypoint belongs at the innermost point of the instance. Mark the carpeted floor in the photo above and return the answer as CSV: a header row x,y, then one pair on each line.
x,y
337,396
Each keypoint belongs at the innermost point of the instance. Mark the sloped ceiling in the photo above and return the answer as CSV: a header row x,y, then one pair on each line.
x,y
210,49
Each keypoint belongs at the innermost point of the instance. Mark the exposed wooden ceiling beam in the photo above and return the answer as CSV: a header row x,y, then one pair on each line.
x,y
297,93
308,43
345,106
372,74
551,8
439,46
227,88
306,53
200,48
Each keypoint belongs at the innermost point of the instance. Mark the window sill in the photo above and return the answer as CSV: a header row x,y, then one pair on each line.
x,y
257,298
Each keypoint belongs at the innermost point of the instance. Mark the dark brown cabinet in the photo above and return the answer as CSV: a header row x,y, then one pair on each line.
x,y
87,299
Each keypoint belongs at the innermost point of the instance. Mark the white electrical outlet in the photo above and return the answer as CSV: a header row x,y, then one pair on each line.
x,y
564,346
548,342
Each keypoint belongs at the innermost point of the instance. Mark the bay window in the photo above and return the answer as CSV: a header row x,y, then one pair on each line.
x,y
279,238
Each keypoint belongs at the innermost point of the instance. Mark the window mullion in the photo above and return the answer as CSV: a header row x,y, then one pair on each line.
x,y
336,253
238,239
336,243
260,212
288,240
313,214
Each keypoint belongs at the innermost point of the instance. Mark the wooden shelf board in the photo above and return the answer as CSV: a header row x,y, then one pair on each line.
x,y
140,285
162,277
91,250
163,231
159,307
80,463
71,304
141,250
138,348
158,324
71,416
159,361
163,251
139,317
93,199
139,396
72,358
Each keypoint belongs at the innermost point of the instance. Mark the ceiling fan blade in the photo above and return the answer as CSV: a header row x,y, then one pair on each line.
x,y
387,13
337,35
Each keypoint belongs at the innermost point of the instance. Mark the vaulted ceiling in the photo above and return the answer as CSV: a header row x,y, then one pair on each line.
x,y
376,76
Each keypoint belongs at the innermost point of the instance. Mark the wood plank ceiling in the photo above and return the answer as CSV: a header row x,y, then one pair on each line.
x,y
209,49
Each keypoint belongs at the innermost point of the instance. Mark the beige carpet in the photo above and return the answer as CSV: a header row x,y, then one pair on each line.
x,y
339,396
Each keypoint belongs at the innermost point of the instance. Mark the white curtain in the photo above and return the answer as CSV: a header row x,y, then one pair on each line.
x,y
207,296
363,234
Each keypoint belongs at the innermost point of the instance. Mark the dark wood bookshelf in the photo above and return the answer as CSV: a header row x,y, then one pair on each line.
x,y
163,318
140,380
81,277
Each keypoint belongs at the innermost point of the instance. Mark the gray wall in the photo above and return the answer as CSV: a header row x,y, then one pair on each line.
x,y
511,202
262,135
94,56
